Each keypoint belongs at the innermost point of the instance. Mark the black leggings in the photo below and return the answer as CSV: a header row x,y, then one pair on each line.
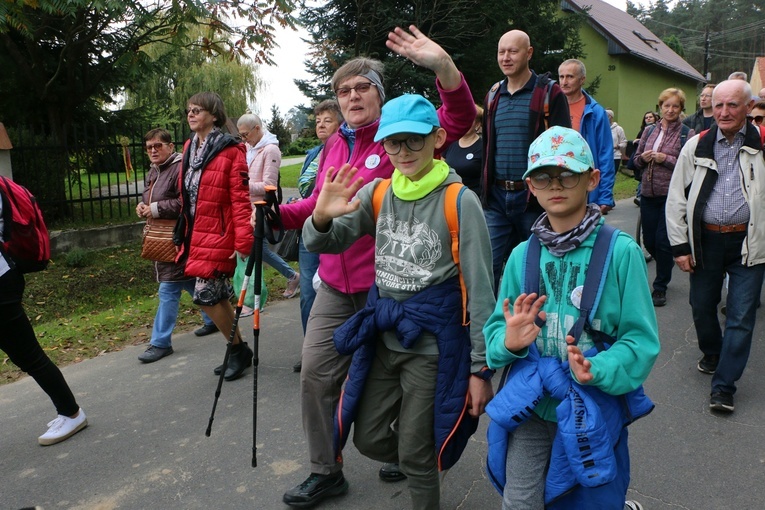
x,y
18,341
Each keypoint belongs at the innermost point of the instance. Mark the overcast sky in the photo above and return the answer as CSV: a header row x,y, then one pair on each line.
x,y
278,86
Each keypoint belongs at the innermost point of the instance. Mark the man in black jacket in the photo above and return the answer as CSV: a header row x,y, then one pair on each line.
x,y
703,118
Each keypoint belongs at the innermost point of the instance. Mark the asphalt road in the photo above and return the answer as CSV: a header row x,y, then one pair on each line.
x,y
146,448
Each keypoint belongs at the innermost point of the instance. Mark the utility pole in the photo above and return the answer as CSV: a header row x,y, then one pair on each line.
x,y
706,53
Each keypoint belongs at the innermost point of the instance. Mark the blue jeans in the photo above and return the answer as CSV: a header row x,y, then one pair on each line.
x,y
721,254
274,260
167,312
509,224
655,239
308,263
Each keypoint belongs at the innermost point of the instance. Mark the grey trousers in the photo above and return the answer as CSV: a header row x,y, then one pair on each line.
x,y
401,388
323,374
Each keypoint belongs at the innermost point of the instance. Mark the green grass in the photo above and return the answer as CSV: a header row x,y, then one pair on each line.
x,y
289,175
106,302
624,186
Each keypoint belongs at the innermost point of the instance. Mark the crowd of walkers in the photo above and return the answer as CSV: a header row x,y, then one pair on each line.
x,y
442,246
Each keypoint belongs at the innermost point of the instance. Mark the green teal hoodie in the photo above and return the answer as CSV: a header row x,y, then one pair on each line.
x,y
625,312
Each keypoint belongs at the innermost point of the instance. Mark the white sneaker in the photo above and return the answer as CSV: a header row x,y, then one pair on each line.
x,y
63,428
632,505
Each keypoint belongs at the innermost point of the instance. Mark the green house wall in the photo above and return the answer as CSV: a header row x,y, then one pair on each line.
x,y
630,86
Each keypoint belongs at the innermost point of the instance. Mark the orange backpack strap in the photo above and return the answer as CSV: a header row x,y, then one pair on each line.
x,y
452,214
378,195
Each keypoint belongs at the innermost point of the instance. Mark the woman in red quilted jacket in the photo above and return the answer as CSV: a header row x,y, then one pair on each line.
x,y
214,225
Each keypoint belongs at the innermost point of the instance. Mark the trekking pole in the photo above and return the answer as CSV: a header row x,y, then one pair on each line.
x,y
256,255
267,221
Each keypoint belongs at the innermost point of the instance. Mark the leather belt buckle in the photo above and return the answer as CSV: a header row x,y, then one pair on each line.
x,y
510,185
725,229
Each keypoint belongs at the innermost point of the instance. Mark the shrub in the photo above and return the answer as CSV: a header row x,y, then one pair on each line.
x,y
77,257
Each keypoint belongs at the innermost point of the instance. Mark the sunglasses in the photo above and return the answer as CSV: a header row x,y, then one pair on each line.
x,y
194,111
155,146
758,118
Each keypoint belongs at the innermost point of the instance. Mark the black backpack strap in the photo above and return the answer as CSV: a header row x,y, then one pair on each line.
x,y
595,278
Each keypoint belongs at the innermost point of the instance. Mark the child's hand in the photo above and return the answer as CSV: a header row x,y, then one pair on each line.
x,y
579,364
335,197
480,392
524,322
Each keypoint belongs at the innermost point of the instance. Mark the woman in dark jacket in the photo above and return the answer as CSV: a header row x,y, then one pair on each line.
x,y
162,199
214,226
657,154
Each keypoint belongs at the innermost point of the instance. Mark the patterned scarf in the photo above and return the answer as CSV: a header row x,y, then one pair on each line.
x,y
199,153
560,244
349,133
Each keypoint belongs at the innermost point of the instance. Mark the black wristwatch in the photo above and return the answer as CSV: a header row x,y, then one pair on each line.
x,y
485,373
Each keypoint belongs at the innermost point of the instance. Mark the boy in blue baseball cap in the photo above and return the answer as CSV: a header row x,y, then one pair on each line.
x,y
416,363
577,349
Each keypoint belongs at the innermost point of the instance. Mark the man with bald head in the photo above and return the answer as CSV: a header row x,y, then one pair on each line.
x,y
716,225
518,109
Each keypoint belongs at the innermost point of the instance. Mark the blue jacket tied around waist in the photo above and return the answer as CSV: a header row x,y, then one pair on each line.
x,y
590,425
437,310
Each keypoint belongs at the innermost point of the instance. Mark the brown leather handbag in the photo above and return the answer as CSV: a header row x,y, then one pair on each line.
x,y
158,240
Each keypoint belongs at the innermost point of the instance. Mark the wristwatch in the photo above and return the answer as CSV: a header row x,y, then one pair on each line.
x,y
485,373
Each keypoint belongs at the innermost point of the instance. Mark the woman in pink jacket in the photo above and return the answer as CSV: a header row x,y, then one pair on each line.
x,y
347,277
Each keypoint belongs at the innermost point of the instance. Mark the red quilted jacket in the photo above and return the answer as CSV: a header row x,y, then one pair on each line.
x,y
221,223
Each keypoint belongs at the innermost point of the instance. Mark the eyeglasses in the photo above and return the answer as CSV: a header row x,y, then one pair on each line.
x,y
155,146
360,88
195,110
704,96
566,179
242,136
414,143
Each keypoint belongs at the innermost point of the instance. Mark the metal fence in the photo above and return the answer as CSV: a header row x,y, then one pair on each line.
x,y
97,179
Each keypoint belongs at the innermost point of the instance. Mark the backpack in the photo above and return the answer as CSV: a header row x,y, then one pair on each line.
x,y
594,280
25,236
452,213
542,90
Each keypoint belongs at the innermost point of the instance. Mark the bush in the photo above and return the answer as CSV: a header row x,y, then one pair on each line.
x,y
300,146
77,257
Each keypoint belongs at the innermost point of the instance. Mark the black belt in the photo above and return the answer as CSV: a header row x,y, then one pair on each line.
x,y
510,185
725,229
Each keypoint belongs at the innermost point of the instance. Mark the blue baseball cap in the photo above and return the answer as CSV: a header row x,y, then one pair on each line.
x,y
560,147
410,113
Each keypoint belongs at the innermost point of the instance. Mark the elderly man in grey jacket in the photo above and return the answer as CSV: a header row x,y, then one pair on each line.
x,y
716,225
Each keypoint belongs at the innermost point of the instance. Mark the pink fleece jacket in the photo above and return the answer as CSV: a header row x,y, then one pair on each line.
x,y
353,270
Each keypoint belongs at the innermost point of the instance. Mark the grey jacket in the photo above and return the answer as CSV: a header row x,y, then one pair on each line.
x,y
694,177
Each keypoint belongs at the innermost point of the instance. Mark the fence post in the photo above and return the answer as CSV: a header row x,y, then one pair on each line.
x,y
5,153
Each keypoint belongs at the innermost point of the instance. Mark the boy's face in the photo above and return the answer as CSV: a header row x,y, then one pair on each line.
x,y
561,192
412,154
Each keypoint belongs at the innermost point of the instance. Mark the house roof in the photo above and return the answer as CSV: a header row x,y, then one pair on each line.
x,y
627,36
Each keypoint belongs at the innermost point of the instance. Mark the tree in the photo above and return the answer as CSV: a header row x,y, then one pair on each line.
x,y
299,122
186,71
278,127
734,29
72,57
467,29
